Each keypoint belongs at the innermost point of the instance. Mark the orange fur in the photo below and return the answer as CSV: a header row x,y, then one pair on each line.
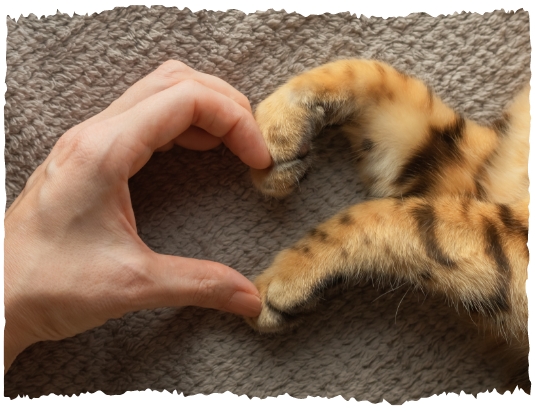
x,y
453,212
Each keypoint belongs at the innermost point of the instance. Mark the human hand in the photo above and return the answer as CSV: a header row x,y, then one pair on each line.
x,y
73,258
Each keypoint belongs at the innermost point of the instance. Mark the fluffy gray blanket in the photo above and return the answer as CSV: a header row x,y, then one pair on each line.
x,y
361,343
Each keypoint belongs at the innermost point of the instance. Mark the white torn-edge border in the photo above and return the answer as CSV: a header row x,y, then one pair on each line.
x,y
14,8
149,400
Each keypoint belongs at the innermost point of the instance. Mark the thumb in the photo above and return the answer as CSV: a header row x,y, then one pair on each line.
x,y
183,281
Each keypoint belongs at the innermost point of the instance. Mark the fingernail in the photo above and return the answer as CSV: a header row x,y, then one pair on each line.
x,y
246,304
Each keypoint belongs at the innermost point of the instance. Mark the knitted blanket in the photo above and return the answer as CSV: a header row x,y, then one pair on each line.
x,y
365,342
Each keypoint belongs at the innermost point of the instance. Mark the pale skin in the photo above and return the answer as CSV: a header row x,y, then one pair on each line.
x,y
73,258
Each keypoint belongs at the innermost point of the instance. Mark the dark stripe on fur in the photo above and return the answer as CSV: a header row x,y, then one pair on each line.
x,y
500,301
450,135
487,306
320,234
481,193
481,176
494,250
302,248
346,219
426,220
441,148
501,126
367,144
510,222
465,206
426,276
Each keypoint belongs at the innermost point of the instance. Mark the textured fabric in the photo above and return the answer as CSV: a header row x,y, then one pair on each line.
x,y
361,343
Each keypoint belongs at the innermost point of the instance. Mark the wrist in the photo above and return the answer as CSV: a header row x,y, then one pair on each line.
x,y
12,347
16,339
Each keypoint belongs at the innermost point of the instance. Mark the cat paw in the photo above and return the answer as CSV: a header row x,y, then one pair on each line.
x,y
291,287
281,303
288,128
281,178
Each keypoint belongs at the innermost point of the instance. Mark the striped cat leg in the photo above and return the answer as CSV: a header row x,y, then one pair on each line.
x,y
473,252
406,139
382,109
342,92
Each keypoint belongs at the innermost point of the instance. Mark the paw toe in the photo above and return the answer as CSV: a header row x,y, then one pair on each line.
x,y
272,319
280,179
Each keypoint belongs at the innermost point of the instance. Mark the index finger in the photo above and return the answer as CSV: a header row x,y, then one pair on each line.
x,y
157,120
165,76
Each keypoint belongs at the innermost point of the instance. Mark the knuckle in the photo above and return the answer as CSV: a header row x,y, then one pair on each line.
x,y
188,85
243,101
81,152
62,141
206,290
172,68
135,282
35,177
79,146
209,289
